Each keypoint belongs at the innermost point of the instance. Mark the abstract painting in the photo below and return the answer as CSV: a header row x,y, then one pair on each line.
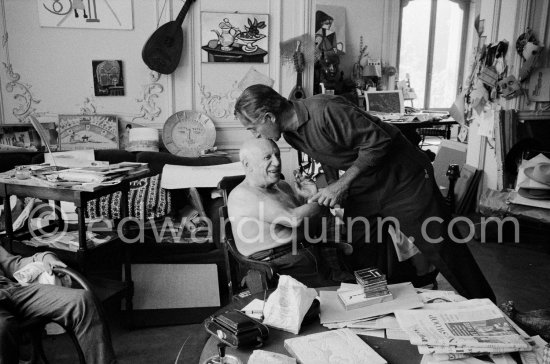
x,y
93,14
108,78
77,132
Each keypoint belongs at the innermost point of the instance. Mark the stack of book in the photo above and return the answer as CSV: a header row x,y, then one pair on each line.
x,y
373,289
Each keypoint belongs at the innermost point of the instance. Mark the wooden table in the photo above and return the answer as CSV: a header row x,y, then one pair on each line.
x,y
234,55
447,123
31,188
394,351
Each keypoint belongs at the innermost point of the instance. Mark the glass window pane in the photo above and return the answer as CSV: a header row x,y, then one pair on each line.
x,y
413,55
448,37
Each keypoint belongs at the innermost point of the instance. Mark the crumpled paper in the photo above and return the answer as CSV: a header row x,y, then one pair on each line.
x,y
288,304
36,273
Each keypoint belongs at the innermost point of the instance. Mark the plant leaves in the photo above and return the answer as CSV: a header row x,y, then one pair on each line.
x,y
249,22
261,24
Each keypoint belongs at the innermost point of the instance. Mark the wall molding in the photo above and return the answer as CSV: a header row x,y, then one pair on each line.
x,y
219,106
25,99
390,37
148,100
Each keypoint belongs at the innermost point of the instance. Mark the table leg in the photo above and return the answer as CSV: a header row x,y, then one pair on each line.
x,y
7,219
81,253
58,215
127,261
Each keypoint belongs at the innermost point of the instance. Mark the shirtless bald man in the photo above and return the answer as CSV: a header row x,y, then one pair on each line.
x,y
267,216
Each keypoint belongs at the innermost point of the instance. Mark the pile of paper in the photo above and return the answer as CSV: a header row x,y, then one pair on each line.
x,y
68,240
454,330
370,320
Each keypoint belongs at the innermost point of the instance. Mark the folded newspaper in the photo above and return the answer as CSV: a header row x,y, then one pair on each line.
x,y
473,326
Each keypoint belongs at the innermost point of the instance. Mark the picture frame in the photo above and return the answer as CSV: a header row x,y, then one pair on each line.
x,y
91,14
336,31
108,76
78,132
385,101
234,37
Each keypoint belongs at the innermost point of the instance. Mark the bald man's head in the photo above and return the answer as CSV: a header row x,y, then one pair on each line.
x,y
261,160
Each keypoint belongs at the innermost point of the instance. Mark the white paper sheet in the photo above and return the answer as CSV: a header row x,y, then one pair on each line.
x,y
254,309
487,123
175,177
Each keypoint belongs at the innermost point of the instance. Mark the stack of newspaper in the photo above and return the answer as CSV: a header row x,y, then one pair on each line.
x,y
457,330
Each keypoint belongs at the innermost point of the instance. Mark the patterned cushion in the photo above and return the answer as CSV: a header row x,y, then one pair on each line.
x,y
146,199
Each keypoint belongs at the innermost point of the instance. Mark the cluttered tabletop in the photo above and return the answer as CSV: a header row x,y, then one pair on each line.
x,y
371,322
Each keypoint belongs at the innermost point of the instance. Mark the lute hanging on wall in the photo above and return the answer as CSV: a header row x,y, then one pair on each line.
x,y
298,92
162,52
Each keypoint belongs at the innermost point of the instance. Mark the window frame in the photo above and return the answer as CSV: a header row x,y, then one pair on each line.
x,y
465,6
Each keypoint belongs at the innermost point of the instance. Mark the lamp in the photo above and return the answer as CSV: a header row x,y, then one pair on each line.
x,y
372,73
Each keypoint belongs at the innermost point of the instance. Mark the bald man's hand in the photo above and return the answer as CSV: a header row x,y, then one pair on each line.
x,y
329,196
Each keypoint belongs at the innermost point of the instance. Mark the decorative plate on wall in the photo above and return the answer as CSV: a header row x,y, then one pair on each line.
x,y
187,133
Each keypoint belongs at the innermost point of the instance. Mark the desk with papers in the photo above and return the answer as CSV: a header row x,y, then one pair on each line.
x,y
405,330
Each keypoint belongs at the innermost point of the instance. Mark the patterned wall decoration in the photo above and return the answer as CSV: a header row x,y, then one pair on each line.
x,y
21,91
219,106
149,109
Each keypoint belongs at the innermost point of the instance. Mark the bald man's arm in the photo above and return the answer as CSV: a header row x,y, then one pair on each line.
x,y
245,204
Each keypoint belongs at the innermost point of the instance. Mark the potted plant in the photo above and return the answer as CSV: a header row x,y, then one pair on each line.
x,y
251,35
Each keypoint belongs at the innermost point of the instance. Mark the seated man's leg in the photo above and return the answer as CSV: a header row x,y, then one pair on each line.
x,y
75,309
9,338
304,266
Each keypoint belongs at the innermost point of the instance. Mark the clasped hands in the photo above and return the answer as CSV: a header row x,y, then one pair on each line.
x,y
329,196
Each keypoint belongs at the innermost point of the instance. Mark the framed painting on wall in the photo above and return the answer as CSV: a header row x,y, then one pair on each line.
x,y
231,37
330,28
93,14
108,78
77,132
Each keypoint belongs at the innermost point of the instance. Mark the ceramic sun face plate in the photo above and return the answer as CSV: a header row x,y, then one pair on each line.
x,y
187,133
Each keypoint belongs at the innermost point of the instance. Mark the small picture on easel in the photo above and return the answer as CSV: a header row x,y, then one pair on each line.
x,y
108,78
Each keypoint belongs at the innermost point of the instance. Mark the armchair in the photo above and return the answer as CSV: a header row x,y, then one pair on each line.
x,y
264,271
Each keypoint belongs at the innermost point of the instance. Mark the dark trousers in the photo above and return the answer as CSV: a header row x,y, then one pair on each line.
x,y
304,266
72,308
406,191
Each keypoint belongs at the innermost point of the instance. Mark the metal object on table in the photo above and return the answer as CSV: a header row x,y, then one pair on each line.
x,y
222,358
